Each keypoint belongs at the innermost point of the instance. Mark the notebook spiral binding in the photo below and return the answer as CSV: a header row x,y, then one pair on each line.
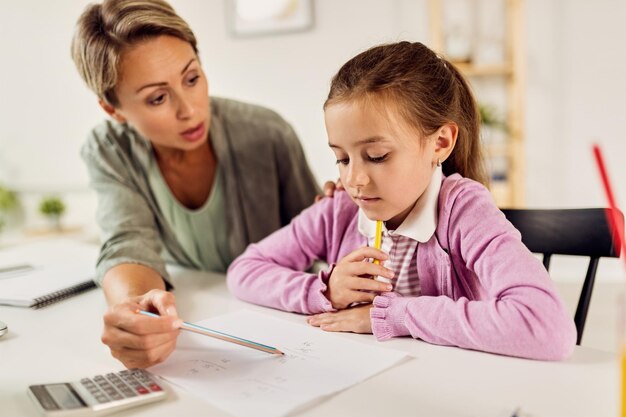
x,y
53,297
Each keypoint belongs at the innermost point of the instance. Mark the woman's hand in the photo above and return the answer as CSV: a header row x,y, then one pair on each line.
x,y
140,341
351,279
355,320
329,189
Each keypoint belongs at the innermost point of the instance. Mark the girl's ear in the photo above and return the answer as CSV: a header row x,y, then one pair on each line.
x,y
112,111
445,141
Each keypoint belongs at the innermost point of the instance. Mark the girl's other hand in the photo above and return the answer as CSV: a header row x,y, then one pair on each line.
x,y
355,320
329,189
140,341
351,279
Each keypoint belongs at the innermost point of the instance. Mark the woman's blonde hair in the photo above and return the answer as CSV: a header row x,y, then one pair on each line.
x,y
104,31
427,90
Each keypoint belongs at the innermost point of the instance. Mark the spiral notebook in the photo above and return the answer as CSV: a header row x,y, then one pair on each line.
x,y
43,272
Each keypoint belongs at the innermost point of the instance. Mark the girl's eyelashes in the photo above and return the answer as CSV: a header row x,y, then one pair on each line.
x,y
373,159
378,159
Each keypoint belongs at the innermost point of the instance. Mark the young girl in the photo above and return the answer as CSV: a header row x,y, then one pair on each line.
x,y
404,127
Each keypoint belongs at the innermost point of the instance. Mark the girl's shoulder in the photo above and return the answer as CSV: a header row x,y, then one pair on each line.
x,y
455,186
336,212
463,201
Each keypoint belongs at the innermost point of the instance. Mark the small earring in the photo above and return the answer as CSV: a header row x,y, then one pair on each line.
x,y
438,162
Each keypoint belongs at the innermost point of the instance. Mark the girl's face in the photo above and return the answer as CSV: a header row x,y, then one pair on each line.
x,y
163,93
384,163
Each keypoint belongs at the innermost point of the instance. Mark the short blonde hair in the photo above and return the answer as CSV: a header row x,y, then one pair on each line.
x,y
104,31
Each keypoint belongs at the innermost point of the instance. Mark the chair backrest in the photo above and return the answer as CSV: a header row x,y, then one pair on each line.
x,y
582,232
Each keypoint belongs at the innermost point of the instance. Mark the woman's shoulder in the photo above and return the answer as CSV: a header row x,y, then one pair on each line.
x,y
109,134
246,116
110,140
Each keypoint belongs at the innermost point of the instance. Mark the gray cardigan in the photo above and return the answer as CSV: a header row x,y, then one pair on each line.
x,y
266,181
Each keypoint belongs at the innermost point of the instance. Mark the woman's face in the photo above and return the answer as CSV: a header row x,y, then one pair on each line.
x,y
163,93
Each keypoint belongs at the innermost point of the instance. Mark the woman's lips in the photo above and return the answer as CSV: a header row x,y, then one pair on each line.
x,y
194,134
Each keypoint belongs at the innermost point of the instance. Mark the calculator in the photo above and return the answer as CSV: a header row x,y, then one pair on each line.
x,y
101,394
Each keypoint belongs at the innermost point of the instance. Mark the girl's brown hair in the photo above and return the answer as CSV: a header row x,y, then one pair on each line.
x,y
104,31
427,90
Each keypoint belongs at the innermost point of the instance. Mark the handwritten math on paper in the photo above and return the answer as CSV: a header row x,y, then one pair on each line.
x,y
246,382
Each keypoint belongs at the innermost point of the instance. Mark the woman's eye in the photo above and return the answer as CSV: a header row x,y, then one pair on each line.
x,y
378,159
193,80
157,100
343,161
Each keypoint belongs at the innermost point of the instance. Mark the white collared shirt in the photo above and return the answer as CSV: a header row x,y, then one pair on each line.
x,y
401,244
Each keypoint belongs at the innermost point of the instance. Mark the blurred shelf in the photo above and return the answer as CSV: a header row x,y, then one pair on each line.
x,y
501,192
507,159
498,150
473,70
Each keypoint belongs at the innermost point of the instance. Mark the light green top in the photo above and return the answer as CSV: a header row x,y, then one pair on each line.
x,y
264,175
202,232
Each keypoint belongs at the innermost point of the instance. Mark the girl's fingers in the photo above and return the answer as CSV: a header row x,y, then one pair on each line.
x,y
364,253
363,297
367,268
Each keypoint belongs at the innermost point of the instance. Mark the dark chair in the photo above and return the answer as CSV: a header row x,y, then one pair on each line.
x,y
581,232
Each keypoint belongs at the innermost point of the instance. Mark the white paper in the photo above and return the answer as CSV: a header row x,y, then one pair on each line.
x,y
56,264
246,382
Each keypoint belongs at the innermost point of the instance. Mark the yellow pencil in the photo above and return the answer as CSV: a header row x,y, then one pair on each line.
x,y
378,239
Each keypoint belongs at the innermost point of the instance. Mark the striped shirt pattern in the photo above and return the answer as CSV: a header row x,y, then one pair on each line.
x,y
402,261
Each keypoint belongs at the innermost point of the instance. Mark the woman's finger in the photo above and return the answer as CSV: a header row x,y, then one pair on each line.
x,y
125,317
118,338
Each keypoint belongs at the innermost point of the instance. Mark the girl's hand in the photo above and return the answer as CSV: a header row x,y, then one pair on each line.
x,y
139,341
355,320
329,189
351,278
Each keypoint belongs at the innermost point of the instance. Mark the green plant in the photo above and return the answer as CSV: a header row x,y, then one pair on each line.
x,y
8,199
489,117
52,206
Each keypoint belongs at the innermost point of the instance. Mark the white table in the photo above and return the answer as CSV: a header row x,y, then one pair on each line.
x,y
62,343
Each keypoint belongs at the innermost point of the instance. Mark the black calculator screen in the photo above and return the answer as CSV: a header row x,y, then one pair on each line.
x,y
65,396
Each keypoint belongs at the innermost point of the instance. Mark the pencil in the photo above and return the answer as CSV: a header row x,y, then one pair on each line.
x,y
617,228
222,336
378,239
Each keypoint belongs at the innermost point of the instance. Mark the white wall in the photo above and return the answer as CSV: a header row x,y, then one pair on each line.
x,y
575,79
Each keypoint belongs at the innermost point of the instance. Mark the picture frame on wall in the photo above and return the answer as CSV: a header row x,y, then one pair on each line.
x,y
249,18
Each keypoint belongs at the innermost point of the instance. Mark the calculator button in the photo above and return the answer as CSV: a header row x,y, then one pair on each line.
x,y
142,390
101,398
128,392
155,387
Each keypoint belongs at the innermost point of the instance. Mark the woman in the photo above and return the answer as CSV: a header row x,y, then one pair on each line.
x,y
180,177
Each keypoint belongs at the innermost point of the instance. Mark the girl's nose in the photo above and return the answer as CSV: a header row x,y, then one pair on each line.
x,y
357,177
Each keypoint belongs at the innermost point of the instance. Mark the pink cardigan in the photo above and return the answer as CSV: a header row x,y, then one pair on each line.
x,y
481,287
